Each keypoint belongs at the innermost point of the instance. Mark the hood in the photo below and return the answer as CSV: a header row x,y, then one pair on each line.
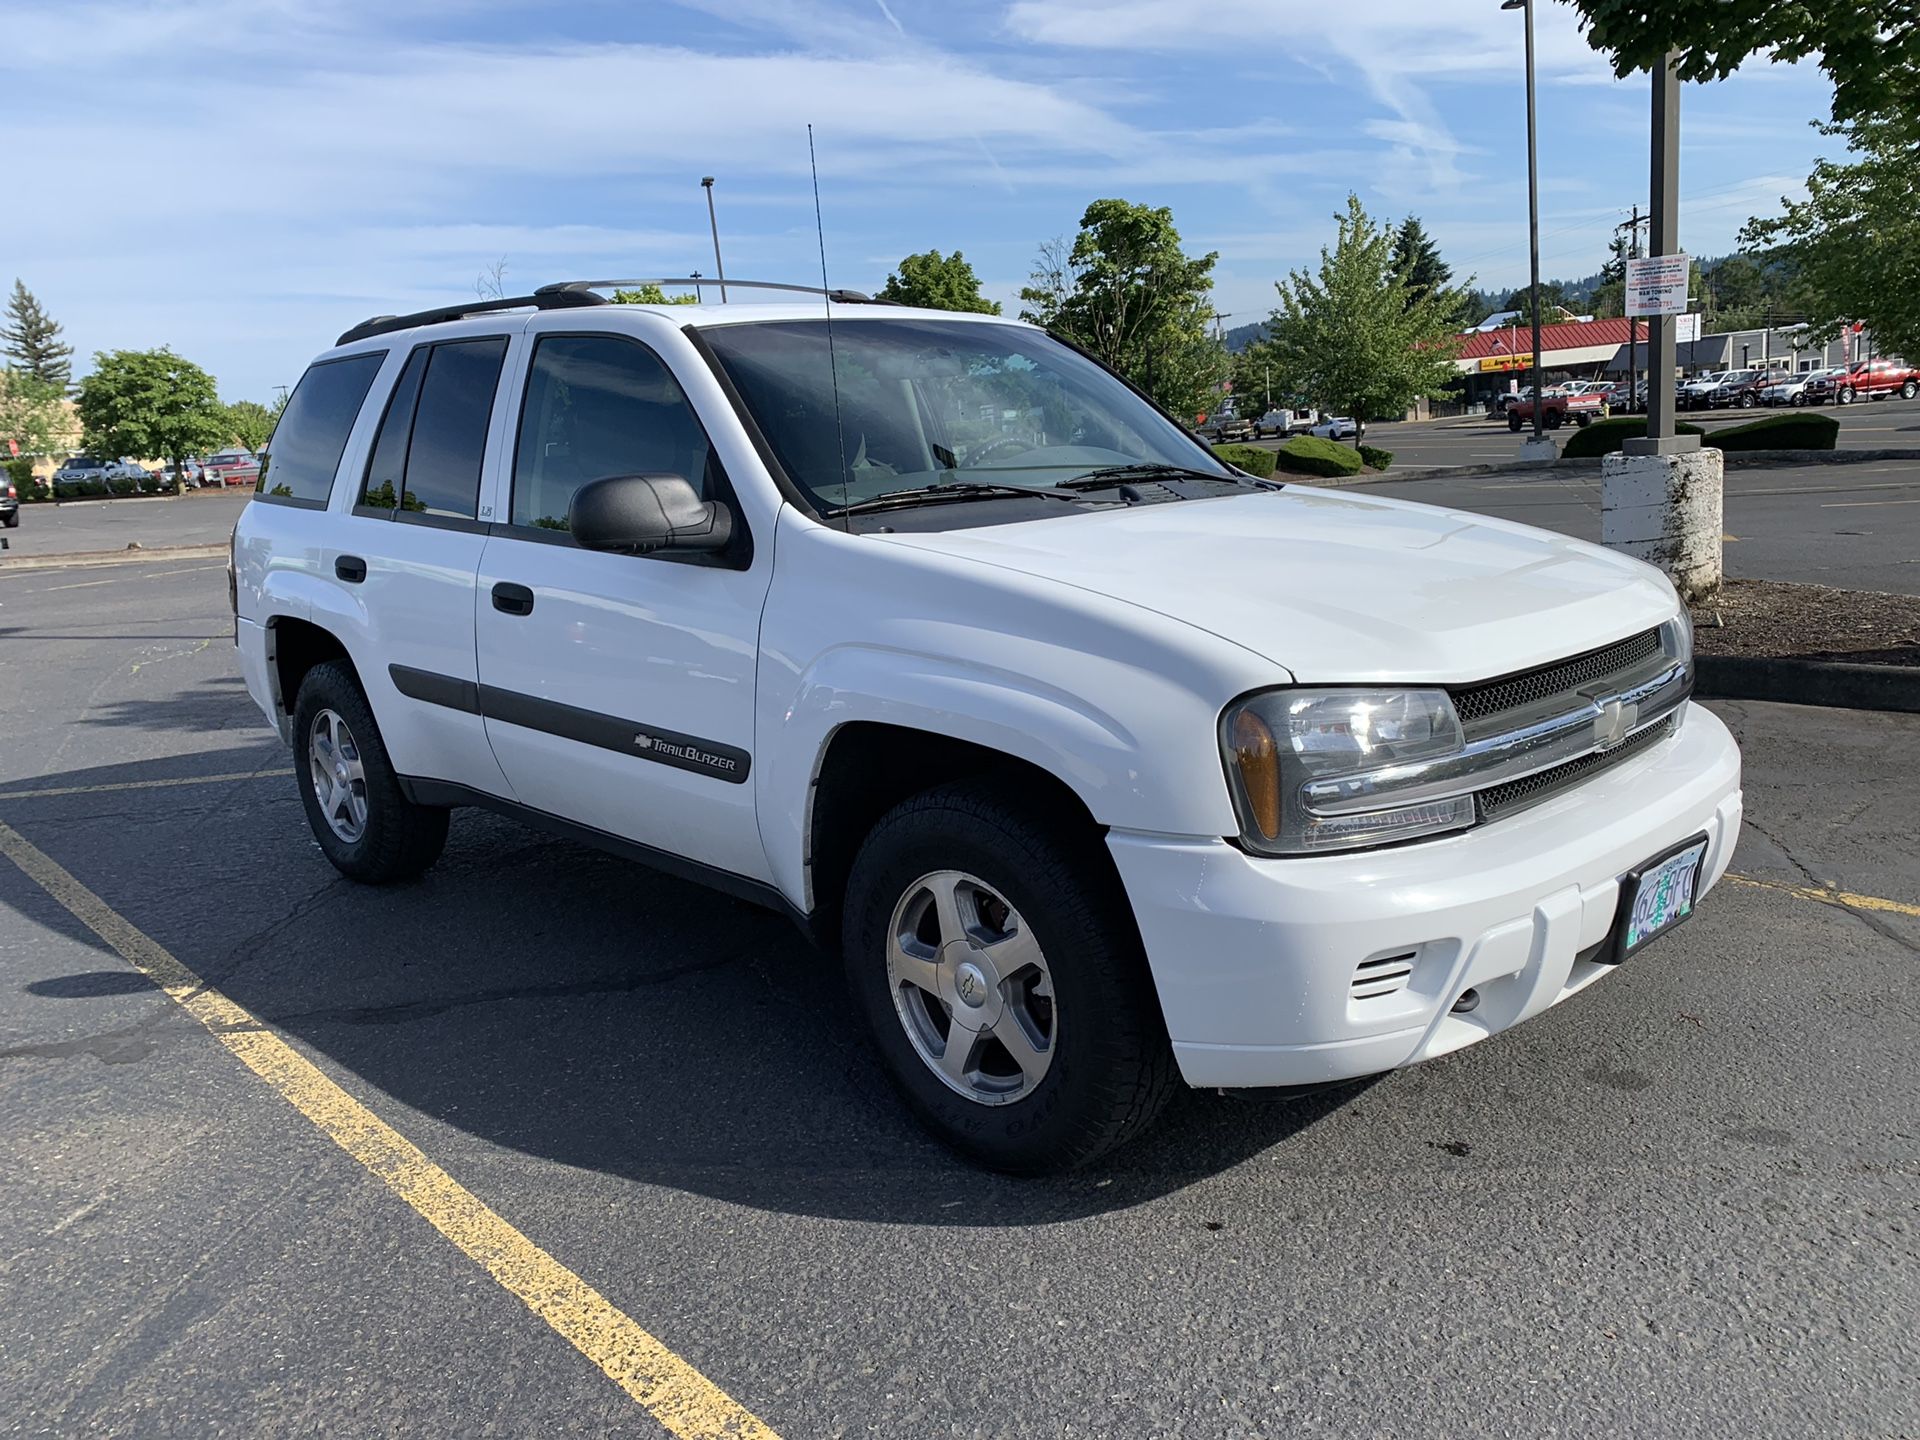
x,y
1340,587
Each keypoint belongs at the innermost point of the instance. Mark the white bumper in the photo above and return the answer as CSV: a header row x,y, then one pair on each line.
x,y
1255,960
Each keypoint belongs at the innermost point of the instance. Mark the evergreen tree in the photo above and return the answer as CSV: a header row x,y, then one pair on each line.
x,y
30,339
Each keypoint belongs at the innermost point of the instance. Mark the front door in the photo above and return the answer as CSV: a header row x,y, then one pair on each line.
x,y
618,689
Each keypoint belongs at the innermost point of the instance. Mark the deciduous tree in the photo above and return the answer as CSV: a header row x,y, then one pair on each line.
x,y
938,282
1126,292
1853,245
150,403
1351,338
33,414
30,340
1870,49
249,423
654,295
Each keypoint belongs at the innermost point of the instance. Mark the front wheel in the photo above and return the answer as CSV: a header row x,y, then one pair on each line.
x,y
1746,402
1554,419
994,958
1846,395
1513,422
365,825
1909,390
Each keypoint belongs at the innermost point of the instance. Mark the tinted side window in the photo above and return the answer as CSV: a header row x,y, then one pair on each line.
x,y
599,405
386,471
313,429
450,428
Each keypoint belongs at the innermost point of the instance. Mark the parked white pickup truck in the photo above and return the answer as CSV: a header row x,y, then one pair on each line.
x,y
1101,764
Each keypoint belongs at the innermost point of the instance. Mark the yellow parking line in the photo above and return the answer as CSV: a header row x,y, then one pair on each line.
x,y
1844,899
667,1387
139,784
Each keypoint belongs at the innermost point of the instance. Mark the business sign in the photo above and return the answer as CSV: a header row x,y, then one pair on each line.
x,y
1657,285
1686,328
1505,362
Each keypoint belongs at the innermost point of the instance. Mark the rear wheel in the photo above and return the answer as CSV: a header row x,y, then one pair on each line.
x,y
365,825
994,958
1554,419
12,521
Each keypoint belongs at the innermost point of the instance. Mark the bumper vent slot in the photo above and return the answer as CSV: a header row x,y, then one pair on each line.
x,y
1383,975
1563,680
1519,794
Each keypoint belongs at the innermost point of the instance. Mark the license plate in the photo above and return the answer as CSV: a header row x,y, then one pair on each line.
x,y
1659,895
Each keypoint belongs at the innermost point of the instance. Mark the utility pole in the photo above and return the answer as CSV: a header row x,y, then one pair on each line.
x,y
1539,440
1632,227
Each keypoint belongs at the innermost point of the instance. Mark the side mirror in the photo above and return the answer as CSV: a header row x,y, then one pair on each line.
x,y
636,514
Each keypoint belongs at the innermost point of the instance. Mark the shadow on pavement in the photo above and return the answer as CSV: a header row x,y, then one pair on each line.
x,y
551,999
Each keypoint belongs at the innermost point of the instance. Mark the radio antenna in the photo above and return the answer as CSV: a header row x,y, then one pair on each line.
x,y
833,363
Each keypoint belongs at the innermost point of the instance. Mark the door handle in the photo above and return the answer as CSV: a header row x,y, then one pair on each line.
x,y
512,599
350,568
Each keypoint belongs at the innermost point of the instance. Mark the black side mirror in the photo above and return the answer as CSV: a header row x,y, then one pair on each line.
x,y
636,514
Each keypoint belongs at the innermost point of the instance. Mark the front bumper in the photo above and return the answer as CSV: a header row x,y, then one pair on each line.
x,y
1256,960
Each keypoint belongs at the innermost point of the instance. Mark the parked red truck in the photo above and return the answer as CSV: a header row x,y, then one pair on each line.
x,y
1556,408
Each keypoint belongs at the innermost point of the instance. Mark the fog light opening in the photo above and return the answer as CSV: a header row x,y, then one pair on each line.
x,y
1468,1002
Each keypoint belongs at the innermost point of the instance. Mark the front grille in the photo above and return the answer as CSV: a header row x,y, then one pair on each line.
x,y
1501,800
1534,687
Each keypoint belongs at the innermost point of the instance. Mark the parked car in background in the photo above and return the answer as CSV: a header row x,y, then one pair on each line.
x,y
192,474
1556,408
1790,389
9,504
1624,400
1336,427
232,467
1282,423
82,469
1866,380
1741,388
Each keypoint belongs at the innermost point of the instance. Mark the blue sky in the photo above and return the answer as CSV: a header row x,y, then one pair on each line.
x,y
243,179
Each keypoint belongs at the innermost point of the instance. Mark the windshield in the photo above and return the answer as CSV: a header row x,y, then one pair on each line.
x,y
938,402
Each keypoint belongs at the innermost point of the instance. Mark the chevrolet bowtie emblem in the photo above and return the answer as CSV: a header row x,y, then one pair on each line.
x,y
1615,720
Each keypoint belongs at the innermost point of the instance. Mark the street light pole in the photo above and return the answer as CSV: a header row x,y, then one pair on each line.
x,y
1533,211
706,184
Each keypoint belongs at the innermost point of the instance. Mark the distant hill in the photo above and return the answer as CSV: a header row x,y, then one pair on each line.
x,y
1241,336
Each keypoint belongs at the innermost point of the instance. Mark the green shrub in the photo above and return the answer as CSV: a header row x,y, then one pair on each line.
x,y
1310,455
1375,457
1804,431
122,485
20,471
36,489
1604,437
1250,458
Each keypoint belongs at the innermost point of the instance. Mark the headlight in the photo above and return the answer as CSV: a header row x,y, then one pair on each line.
x,y
1676,637
1280,741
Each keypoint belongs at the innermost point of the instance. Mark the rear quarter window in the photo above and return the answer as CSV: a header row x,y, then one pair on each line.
x,y
312,433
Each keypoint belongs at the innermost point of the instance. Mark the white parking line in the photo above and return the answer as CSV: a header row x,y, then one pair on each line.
x,y
1862,504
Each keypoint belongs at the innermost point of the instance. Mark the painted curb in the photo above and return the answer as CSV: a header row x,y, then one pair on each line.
x,y
1834,683
93,558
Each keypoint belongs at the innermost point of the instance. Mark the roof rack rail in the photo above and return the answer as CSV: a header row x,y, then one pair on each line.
x,y
545,299
579,287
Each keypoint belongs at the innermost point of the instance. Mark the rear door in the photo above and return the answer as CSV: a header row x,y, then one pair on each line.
x,y
413,539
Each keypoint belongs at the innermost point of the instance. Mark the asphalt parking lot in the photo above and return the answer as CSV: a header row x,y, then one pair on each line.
x,y
1869,425
1683,1203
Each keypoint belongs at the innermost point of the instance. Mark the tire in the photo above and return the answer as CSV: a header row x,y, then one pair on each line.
x,y
385,837
1909,390
1746,402
1554,419
1102,1069
12,522
1846,395
1583,421
1513,422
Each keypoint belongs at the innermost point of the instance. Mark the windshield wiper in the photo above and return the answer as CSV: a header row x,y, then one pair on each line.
x,y
951,490
1110,475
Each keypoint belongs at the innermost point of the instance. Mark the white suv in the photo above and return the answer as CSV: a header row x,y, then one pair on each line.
x,y
1101,763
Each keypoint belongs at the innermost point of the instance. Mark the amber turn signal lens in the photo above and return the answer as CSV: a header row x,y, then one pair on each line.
x,y
1259,761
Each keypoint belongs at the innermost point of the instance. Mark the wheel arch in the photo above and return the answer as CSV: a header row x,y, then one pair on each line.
x,y
294,647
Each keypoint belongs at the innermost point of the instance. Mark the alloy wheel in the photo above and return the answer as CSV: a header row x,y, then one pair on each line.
x,y
972,988
339,779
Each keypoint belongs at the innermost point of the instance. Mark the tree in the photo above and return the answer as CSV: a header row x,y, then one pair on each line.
x,y
938,282
33,414
1126,293
1352,339
1853,245
31,340
249,423
653,295
150,403
1554,309
1870,49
